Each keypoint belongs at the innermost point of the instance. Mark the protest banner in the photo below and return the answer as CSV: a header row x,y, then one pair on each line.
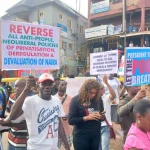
x,y
29,46
137,66
35,73
121,67
74,85
104,63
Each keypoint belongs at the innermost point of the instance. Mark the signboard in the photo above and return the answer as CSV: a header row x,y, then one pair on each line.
x,y
74,85
104,62
35,73
100,7
137,66
64,30
96,31
29,46
121,67
117,29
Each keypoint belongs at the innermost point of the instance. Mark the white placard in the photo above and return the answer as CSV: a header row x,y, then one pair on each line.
x,y
29,46
104,63
96,31
74,85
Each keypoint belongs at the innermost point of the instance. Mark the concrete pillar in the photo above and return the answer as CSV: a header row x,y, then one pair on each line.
x,y
143,19
89,20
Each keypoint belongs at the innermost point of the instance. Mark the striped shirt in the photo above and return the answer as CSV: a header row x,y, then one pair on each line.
x,y
17,136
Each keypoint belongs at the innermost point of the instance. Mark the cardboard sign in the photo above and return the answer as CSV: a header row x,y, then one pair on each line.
x,y
29,46
74,85
137,66
104,63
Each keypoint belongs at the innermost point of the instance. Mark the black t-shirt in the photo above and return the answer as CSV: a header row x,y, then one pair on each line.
x,y
78,111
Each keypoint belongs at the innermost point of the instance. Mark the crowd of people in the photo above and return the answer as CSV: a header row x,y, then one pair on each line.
x,y
41,115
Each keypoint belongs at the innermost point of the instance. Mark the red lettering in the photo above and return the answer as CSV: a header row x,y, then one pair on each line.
x,y
9,53
12,28
19,29
135,66
148,66
50,33
50,132
45,32
26,30
39,31
33,31
142,66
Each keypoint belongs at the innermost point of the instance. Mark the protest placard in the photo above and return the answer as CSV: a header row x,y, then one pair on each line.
x,y
104,62
35,73
74,85
121,67
29,46
137,66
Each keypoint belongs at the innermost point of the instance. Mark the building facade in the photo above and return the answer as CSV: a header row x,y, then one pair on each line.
x,y
105,24
56,13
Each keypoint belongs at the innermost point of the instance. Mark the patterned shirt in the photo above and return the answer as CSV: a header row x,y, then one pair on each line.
x,y
17,136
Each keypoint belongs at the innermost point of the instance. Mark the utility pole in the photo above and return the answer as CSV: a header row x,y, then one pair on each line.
x,y
76,5
124,24
79,5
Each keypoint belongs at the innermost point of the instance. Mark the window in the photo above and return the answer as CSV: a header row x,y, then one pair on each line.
x,y
70,46
81,29
69,23
64,45
41,15
61,16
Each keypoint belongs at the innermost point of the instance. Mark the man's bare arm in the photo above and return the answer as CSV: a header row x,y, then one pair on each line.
x,y
62,135
16,110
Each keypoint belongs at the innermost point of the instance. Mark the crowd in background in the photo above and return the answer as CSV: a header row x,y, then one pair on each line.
x,y
50,118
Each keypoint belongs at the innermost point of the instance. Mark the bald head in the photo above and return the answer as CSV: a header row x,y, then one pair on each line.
x,y
19,86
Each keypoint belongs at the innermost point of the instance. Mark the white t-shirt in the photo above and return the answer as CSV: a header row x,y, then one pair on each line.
x,y
42,118
107,108
115,84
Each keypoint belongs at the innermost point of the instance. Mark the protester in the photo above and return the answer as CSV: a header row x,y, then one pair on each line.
x,y
65,100
3,100
42,113
125,108
85,114
8,89
55,86
139,134
17,137
116,85
107,99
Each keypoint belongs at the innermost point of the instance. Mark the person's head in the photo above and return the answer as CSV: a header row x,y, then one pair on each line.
x,y
19,86
89,91
45,85
142,114
133,90
102,90
57,81
62,88
0,78
111,76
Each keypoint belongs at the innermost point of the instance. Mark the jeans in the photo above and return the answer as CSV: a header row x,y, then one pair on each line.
x,y
105,138
86,141
11,147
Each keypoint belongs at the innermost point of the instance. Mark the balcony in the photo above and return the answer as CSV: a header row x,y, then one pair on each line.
x,y
106,8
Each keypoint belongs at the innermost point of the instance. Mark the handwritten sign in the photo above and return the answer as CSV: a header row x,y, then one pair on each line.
x,y
104,63
137,66
29,46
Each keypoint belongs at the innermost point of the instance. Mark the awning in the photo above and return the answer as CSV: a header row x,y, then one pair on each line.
x,y
103,37
136,34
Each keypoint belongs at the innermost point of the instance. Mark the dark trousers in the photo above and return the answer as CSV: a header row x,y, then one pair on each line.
x,y
86,142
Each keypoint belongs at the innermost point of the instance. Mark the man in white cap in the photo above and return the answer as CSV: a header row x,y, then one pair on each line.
x,y
42,113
